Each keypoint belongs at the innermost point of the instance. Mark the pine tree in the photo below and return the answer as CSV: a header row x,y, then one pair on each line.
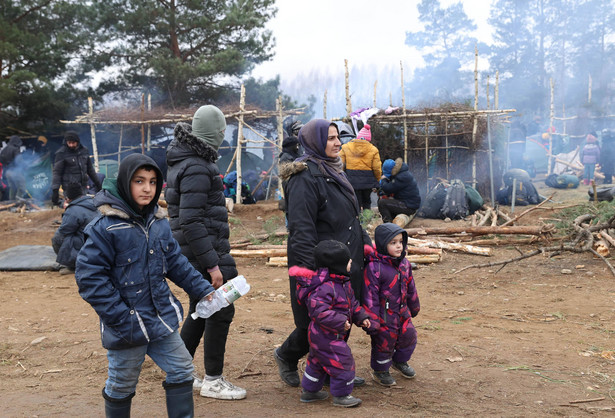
x,y
185,49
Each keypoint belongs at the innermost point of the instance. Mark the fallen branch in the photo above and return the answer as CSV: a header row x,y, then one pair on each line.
x,y
588,400
513,220
483,230
452,246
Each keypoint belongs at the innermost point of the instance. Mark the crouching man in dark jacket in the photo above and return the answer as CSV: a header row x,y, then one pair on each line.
x,y
68,239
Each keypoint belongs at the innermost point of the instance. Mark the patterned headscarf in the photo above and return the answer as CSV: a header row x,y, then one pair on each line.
x,y
313,137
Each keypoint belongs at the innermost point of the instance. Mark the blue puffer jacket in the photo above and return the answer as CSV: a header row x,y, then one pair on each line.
x,y
402,185
121,272
68,239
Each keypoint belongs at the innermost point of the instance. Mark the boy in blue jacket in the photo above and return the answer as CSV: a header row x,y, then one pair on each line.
x,y
121,270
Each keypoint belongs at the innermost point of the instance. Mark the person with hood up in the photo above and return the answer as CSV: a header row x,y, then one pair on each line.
x,y
399,189
199,220
68,238
7,157
290,152
590,156
391,299
121,272
332,307
321,205
72,165
362,165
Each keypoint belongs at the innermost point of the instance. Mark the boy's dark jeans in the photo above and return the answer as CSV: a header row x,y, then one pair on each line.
x,y
215,329
390,208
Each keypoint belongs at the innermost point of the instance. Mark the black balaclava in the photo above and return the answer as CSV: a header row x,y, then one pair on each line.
x,y
126,170
385,233
333,255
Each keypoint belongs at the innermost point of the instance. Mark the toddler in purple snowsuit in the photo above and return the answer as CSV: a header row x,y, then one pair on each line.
x,y
332,308
391,299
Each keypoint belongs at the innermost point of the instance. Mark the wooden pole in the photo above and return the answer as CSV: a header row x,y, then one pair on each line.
x,y
552,116
497,90
426,154
475,121
142,128
375,89
403,104
278,106
119,147
93,134
589,89
324,106
490,149
446,148
390,99
347,78
242,104
149,125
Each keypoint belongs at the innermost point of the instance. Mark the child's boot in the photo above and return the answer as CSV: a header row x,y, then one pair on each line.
x,y
383,378
180,403
406,371
347,401
313,396
117,408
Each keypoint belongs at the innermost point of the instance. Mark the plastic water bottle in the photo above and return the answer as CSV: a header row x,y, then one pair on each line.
x,y
226,294
278,194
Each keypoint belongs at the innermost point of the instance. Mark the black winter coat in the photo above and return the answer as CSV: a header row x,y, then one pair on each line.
x,y
607,156
68,238
8,153
320,209
73,166
196,203
402,185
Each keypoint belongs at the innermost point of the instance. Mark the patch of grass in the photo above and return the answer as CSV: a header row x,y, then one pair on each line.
x,y
429,326
365,217
558,315
461,320
234,221
272,224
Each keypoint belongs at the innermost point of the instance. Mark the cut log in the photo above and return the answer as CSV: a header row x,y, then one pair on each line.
x,y
483,230
265,247
258,253
453,246
277,262
424,259
423,250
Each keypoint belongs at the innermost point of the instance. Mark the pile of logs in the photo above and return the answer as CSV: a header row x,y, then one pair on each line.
x,y
20,205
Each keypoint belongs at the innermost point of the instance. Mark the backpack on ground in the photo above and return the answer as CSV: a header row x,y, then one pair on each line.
x,y
455,203
525,194
432,204
475,200
603,193
562,181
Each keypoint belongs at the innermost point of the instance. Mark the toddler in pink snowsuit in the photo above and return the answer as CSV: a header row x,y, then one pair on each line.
x,y
391,299
332,308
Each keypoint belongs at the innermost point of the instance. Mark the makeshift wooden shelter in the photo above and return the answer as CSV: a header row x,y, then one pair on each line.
x,y
146,118
449,142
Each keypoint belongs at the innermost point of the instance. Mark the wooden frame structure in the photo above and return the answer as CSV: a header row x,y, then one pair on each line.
x,y
145,120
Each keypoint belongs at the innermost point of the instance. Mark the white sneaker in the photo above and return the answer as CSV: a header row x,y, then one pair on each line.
x,y
197,383
221,389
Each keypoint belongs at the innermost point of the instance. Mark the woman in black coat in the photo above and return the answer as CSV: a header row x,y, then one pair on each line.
x,y
321,205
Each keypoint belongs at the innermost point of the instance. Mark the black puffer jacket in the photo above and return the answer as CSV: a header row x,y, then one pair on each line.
x,y
73,166
198,215
319,209
12,149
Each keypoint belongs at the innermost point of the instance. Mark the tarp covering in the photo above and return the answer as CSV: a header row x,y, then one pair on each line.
x,y
28,258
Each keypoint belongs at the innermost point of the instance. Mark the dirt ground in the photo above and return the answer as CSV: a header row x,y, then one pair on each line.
x,y
527,340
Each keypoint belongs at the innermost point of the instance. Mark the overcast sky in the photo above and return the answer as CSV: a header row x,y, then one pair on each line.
x,y
321,33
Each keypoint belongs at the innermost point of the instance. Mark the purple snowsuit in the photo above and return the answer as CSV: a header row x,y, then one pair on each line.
x,y
391,299
330,303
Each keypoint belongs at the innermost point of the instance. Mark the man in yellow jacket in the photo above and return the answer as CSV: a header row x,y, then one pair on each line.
x,y
362,165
